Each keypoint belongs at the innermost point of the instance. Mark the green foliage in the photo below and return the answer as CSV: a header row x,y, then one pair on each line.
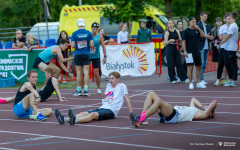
x,y
124,11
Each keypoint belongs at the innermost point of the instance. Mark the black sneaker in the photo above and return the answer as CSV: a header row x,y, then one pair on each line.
x,y
71,117
134,119
86,93
59,116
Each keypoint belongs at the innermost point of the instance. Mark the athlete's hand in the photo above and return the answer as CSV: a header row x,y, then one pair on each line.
x,y
37,101
70,75
218,47
63,100
104,60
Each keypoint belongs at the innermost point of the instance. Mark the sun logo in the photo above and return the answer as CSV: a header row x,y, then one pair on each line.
x,y
137,54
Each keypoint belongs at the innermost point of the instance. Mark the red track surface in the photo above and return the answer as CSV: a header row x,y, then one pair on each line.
x,y
119,134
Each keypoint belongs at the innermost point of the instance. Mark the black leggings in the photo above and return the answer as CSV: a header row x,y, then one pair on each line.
x,y
173,55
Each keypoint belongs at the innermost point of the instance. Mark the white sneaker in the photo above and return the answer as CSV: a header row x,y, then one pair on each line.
x,y
204,82
200,85
187,81
175,81
217,83
191,86
99,91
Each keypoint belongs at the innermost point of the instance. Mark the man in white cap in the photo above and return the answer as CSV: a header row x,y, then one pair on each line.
x,y
82,41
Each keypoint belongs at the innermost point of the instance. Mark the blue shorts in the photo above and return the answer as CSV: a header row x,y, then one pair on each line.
x,y
104,114
173,120
20,112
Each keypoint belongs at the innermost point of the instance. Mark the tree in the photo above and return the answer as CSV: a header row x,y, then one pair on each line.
x,y
125,11
168,4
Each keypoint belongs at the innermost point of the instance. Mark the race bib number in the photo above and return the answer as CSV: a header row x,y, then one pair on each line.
x,y
92,50
107,100
82,44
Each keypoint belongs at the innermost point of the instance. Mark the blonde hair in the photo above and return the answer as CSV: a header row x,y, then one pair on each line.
x,y
115,74
50,70
31,38
167,24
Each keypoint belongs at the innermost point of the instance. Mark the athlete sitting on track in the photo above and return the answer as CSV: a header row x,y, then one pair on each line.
x,y
51,86
111,105
27,99
169,114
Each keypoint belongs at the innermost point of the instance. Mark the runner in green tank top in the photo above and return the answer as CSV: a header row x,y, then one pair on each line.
x,y
95,54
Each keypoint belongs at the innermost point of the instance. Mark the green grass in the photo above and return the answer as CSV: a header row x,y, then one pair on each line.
x,y
68,85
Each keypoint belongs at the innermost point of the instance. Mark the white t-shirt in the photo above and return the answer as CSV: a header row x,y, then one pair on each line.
x,y
206,39
114,97
223,30
186,113
122,36
231,44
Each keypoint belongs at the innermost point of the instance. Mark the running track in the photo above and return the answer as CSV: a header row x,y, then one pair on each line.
x,y
119,134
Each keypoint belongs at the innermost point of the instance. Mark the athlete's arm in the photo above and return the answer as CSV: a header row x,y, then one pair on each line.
x,y
104,49
73,44
55,85
91,43
30,88
64,67
126,97
179,35
60,56
224,40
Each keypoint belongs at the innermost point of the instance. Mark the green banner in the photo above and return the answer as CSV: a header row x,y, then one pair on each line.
x,y
17,62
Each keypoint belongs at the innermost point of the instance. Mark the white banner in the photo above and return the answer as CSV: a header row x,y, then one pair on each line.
x,y
129,59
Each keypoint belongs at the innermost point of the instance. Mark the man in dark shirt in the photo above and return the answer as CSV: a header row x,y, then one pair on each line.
x,y
203,44
19,40
190,46
82,41
144,34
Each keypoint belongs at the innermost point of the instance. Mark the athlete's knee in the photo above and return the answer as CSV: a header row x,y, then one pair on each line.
x,y
49,111
152,93
159,101
94,115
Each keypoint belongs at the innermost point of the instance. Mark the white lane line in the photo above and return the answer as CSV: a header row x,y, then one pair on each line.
x,y
7,148
89,140
198,96
27,140
137,129
189,91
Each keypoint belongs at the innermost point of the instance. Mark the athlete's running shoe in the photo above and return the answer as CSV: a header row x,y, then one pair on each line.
x,y
34,117
71,117
134,119
77,93
86,93
40,117
144,122
59,116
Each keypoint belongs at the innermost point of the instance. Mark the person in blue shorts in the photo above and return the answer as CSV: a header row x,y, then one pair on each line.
x,y
44,59
169,114
27,100
82,40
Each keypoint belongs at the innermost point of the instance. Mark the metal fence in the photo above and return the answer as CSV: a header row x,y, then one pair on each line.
x,y
39,31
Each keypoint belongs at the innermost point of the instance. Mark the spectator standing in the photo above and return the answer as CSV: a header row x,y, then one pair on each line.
x,y
216,41
19,40
190,46
222,33
63,35
231,47
106,38
171,38
144,34
180,29
122,35
203,44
